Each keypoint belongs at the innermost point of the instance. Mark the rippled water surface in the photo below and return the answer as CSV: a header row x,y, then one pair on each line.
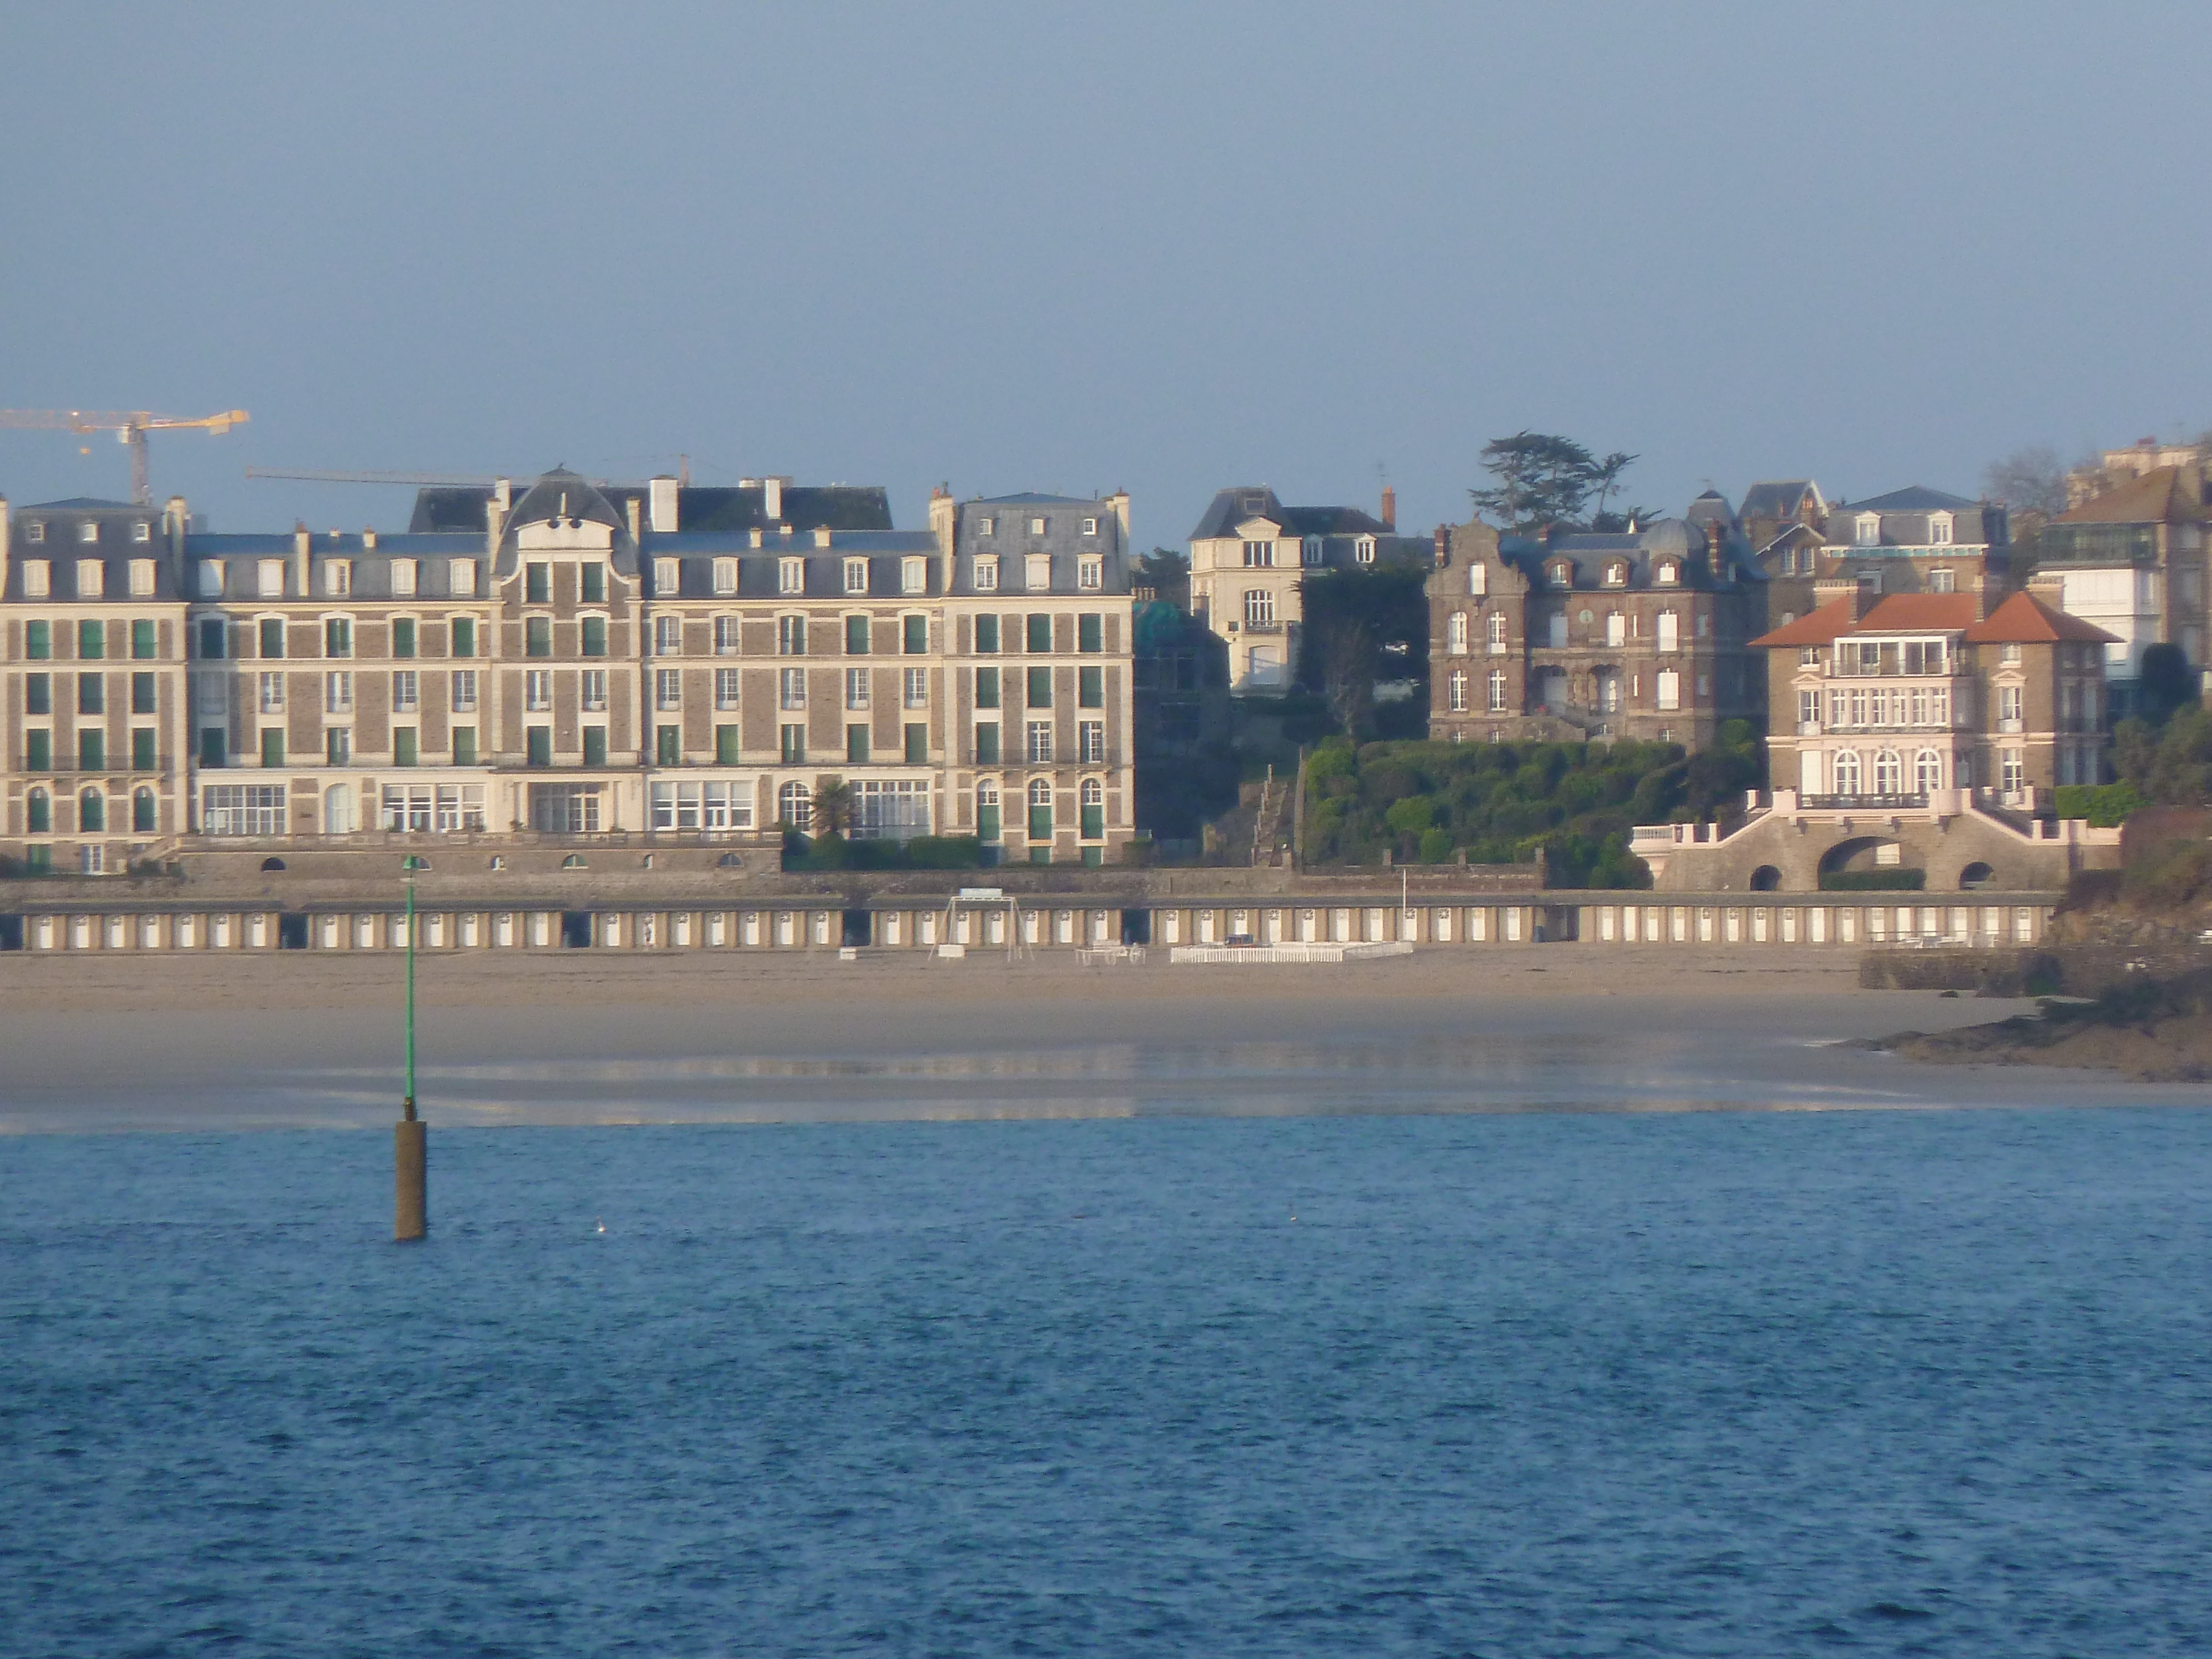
x,y
1510,1385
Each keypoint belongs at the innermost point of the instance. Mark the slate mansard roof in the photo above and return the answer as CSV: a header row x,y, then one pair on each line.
x,y
1231,508
1010,539
1781,498
1664,538
1905,516
740,507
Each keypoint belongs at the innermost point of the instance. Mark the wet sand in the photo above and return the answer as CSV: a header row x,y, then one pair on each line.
x,y
101,1043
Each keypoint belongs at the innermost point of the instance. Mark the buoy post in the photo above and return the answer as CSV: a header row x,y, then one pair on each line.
x,y
410,1216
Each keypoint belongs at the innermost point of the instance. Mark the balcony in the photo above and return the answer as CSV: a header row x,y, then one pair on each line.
x,y
1905,803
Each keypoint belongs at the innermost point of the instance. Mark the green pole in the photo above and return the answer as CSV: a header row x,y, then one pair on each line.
x,y
411,1211
410,988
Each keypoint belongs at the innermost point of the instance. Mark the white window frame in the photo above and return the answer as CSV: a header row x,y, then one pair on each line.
x,y
856,578
983,572
402,579
726,578
791,576
914,575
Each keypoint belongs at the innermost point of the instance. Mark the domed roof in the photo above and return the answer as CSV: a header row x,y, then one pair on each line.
x,y
1673,536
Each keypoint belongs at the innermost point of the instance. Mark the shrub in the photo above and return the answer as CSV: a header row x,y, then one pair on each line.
x,y
1874,881
2104,804
2169,877
1436,845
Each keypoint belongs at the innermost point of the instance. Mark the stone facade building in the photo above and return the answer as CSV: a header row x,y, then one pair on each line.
x,y
583,663
1584,636
2132,560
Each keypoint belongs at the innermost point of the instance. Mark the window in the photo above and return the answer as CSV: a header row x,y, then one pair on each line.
x,y
2008,653
1090,688
592,636
1091,741
791,636
916,692
537,636
794,807
983,574
214,637
1927,771
39,750
142,645
667,578
792,688
88,531
1846,770
538,689
461,578
337,745
272,700
725,746
2012,775
856,688
1039,632
726,577
667,745
986,744
1494,630
91,579
231,809
406,688
1038,743
38,694
914,575
1942,580
1091,632
917,743
1670,631
986,687
667,636
1036,572
985,526
337,692
856,636
1455,633
1094,809
1670,689
1038,688
1888,774
726,636
1457,692
2009,703
35,531
1090,526
791,575
465,745
38,582
1557,629
338,636
1939,530
856,575
405,751
987,636
1090,574
592,689
1314,549
402,579
403,637
538,583
986,811
913,635
463,686
142,742
214,746
725,688
1866,532
1259,556
595,746
538,746
714,805
1040,824
141,578
856,746
1363,550
92,693
38,812
213,693
269,578
272,746
1037,526
92,640
1259,607
1669,574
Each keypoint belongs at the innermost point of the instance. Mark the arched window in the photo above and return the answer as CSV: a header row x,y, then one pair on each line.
x,y
1847,771
1040,809
1094,791
1455,633
1496,630
1616,575
1888,772
38,812
338,817
144,814
988,827
1563,573
573,861
794,807
1668,572
1459,691
1927,771
91,811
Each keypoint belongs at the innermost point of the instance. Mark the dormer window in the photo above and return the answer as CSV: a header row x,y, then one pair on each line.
x,y
337,577
211,579
1616,575
1037,526
91,579
1939,530
461,578
726,577
983,575
143,530
1313,549
1561,573
1666,573
88,531
1037,572
1090,574
856,576
269,578
1090,526
986,524
791,575
35,531
38,581
1866,529
1363,550
914,575
141,579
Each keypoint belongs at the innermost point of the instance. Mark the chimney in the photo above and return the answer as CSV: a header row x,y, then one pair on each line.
x,y
758,535
1829,589
1444,545
2049,587
944,518
630,503
1390,507
661,507
176,523
772,500
301,538
367,540
496,511
822,535
1118,500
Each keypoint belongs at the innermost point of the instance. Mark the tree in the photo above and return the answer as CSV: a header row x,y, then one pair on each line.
x,y
2030,480
1362,626
1541,479
833,807
1605,475
1167,573
2168,682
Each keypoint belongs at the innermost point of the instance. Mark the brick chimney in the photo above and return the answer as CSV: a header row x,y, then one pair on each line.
x,y
1390,507
1829,589
1444,545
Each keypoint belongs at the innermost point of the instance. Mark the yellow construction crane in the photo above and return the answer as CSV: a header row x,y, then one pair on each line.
x,y
129,426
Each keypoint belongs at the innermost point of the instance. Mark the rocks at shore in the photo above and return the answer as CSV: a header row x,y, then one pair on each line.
x,y
2150,1031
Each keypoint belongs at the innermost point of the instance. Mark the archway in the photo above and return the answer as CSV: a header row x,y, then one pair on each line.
x,y
269,866
1869,863
1766,879
1976,874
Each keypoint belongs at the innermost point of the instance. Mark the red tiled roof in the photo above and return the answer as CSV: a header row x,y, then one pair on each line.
x,y
1920,613
2027,618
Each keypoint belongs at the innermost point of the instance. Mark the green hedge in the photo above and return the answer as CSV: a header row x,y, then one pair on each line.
x,y
2104,804
1874,881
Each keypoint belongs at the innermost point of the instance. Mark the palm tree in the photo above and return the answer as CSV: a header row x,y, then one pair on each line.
x,y
833,807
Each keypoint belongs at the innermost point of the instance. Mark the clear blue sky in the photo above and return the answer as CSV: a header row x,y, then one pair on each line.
x,y
1161,246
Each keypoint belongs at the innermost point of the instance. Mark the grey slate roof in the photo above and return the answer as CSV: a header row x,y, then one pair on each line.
x,y
1913,498
1776,498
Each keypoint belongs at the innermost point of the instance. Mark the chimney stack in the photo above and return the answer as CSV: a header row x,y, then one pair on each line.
x,y
1444,545
301,538
495,511
772,500
1829,589
1390,507
662,506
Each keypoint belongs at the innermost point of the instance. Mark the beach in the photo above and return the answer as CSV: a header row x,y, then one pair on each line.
x,y
115,1042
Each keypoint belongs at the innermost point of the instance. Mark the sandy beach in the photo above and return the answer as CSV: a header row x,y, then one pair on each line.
x,y
108,1043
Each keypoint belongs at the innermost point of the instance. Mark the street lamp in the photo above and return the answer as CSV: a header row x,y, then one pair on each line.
x,y
410,1144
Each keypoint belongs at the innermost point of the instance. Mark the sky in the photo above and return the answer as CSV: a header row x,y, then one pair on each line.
x,y
1161,247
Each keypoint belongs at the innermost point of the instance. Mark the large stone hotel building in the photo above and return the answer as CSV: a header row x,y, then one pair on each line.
x,y
577,659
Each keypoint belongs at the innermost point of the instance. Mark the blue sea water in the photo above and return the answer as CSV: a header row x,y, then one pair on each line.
x,y
1725,1383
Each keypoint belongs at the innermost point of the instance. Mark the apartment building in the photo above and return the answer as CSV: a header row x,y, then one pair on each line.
x,y
1876,702
2132,560
1575,636
582,662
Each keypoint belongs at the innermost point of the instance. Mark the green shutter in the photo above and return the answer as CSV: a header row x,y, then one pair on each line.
x,y
725,746
538,583
213,646
464,636
595,747
40,860
1094,856
987,824
143,695
144,813
917,636
142,748
856,745
406,746
39,750
38,694
1041,853
39,640
1091,632
403,637
537,636
1091,687
1040,824
595,584
793,744
142,641
39,814
338,637
986,687
465,745
540,741
595,637
92,810
856,636
667,745
272,637
214,746
986,634
92,694
986,744
917,744
1040,631
91,752
273,747
1039,689
1094,823
92,640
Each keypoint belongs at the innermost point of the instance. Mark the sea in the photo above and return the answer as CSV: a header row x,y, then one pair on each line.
x,y
1568,1381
